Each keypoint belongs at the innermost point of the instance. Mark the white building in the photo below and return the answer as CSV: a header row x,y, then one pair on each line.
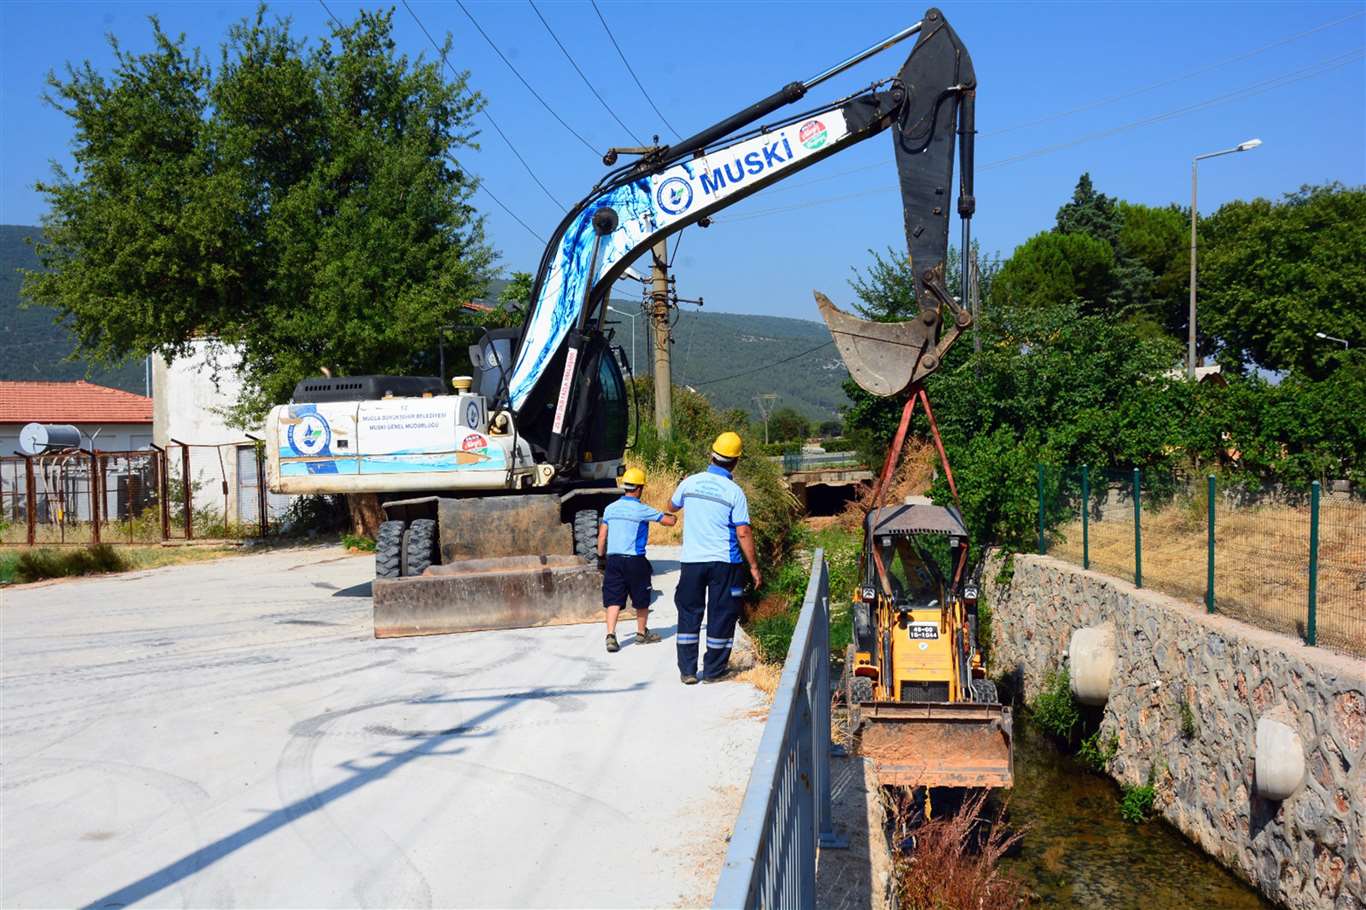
x,y
191,398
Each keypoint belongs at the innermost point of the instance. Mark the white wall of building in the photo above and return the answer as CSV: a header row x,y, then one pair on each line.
x,y
191,397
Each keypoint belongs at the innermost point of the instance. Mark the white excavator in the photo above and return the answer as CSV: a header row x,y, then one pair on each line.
x,y
492,489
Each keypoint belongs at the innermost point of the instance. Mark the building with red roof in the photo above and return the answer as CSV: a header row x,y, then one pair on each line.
x,y
109,419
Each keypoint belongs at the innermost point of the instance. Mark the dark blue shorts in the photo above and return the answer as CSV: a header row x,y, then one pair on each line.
x,y
627,575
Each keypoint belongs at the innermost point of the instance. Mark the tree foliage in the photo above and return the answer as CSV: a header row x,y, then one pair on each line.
x,y
299,203
788,425
1274,273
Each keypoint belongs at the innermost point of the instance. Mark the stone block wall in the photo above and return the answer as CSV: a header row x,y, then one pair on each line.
x,y
1308,851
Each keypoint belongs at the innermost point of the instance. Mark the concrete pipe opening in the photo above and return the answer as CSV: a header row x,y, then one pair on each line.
x,y
1279,760
1091,664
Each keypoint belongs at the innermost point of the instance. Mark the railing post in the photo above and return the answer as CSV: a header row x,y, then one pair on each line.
x,y
1209,572
260,450
1138,532
185,489
95,496
1041,546
829,840
1085,517
31,498
1311,635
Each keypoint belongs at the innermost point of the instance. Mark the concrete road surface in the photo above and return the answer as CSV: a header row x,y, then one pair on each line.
x,y
230,734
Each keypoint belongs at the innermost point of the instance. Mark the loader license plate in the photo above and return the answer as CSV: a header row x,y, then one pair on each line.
x,y
923,630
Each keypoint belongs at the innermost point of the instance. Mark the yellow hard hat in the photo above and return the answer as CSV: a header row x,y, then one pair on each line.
x,y
727,445
634,477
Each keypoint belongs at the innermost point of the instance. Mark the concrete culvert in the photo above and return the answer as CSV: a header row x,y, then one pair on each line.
x,y
1279,760
1091,664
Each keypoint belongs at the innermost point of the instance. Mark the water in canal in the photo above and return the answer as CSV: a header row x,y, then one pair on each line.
x,y
1079,853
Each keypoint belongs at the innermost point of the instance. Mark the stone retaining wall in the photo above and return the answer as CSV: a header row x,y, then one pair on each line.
x,y
1307,851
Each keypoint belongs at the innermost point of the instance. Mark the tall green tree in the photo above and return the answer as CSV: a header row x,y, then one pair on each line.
x,y
1274,273
302,204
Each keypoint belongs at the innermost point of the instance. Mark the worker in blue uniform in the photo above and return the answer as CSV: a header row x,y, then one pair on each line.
x,y
717,544
622,536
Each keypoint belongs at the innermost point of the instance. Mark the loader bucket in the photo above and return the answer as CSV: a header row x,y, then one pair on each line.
x,y
881,356
918,744
472,595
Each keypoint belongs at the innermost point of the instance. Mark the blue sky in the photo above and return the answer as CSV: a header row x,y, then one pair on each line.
x,y
1129,79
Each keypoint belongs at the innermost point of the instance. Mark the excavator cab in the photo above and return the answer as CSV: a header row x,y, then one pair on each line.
x,y
929,716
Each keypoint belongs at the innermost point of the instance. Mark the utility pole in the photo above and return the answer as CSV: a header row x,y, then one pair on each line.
x,y
659,319
766,401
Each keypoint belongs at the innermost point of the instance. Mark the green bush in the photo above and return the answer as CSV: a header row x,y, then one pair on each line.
x,y
35,565
1097,753
1188,729
1053,708
1137,803
773,636
358,542
9,562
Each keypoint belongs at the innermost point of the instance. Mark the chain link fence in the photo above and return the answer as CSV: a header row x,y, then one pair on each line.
x,y
1289,559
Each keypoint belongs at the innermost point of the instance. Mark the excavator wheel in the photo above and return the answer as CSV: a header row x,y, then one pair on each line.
x,y
984,692
389,549
586,534
861,690
419,546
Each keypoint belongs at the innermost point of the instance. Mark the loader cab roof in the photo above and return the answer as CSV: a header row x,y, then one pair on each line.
x,y
918,516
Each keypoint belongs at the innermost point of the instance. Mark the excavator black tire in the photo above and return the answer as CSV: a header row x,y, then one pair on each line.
x,y
861,689
984,692
586,534
388,549
419,546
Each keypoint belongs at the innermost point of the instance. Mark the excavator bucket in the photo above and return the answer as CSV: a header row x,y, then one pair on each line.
x,y
881,356
915,744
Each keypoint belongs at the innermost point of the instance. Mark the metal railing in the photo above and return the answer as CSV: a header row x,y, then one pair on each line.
x,y
786,813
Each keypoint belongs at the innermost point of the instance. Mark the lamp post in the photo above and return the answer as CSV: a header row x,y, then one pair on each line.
x,y
1240,147
1341,341
632,317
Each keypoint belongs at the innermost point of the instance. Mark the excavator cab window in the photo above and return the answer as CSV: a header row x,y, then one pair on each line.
x,y
916,580
606,436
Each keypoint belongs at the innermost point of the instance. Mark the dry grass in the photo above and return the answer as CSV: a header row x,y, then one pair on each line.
x,y
29,564
660,484
913,478
1261,561
762,676
954,864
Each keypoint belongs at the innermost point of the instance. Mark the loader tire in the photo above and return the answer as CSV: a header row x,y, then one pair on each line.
x,y
984,692
419,546
861,689
586,535
388,549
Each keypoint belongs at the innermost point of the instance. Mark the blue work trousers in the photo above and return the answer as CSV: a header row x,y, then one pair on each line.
x,y
717,589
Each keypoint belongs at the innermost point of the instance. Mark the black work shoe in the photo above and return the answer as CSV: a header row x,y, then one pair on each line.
x,y
647,638
612,646
688,679
717,678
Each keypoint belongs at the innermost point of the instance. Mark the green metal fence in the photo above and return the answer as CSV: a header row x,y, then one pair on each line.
x,y
1288,559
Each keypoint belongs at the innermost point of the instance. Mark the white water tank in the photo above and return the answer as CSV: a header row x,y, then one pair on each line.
x,y
37,438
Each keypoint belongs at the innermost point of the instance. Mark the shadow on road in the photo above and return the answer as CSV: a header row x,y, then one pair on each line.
x,y
360,590
427,744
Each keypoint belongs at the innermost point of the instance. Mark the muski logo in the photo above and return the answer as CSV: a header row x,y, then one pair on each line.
x,y
674,195
770,155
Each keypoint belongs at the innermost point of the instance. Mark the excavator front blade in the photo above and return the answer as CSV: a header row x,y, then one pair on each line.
x,y
882,357
928,744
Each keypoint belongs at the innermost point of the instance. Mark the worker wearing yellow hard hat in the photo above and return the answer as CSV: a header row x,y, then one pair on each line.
x,y
622,537
717,544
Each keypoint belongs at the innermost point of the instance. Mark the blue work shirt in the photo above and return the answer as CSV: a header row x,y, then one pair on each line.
x,y
628,526
714,506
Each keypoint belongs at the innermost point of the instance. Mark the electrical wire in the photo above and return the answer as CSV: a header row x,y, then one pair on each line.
x,y
1248,91
627,63
1048,118
535,94
823,344
570,58
487,116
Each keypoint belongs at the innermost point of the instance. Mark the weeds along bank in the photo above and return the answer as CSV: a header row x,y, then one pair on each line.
x,y
1189,702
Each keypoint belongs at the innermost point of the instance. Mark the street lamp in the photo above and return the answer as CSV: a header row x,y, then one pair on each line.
x,y
1240,147
632,317
1341,341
